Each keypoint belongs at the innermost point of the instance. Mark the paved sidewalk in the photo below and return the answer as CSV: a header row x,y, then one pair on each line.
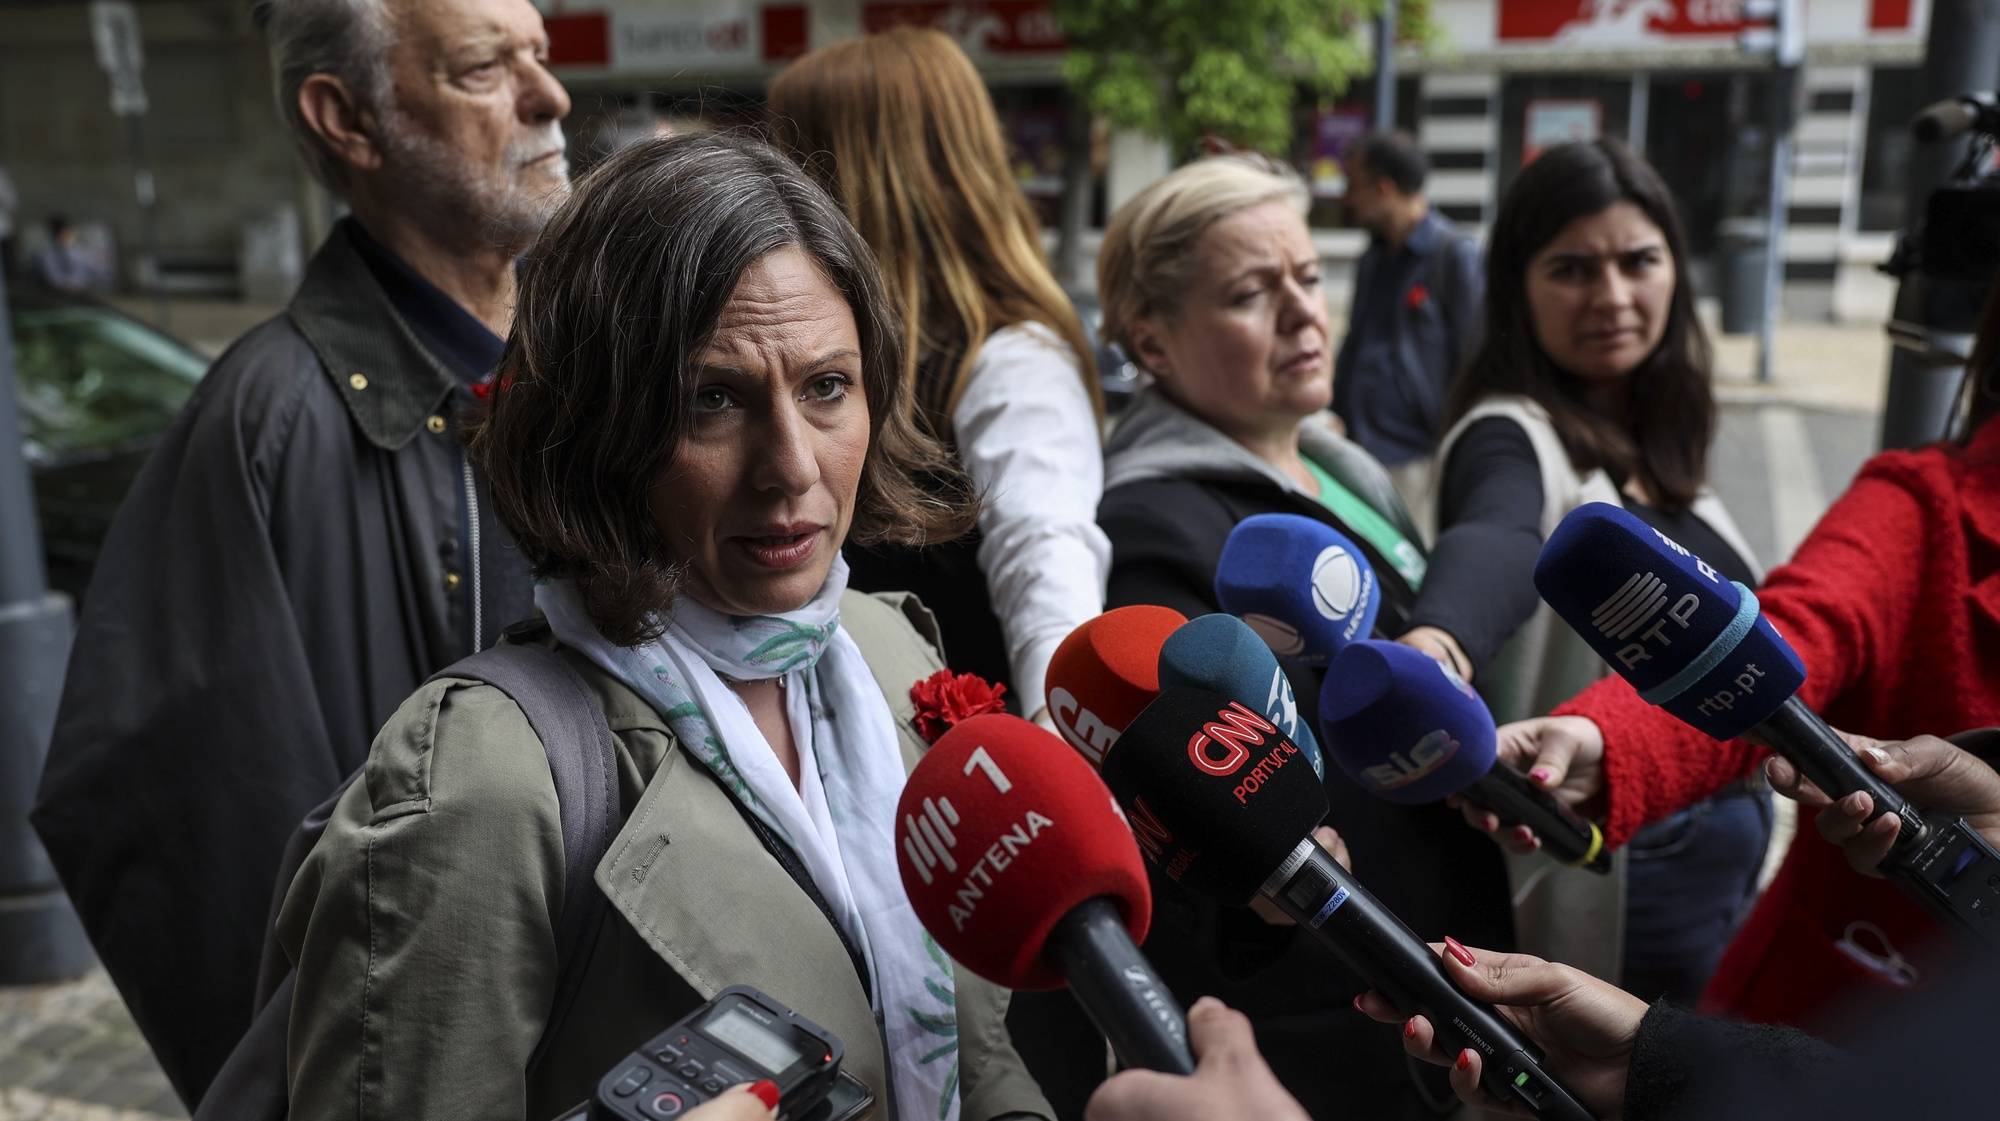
x,y
70,1052
1819,365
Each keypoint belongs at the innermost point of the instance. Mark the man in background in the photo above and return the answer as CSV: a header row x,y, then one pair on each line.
x,y
1415,312
63,265
308,541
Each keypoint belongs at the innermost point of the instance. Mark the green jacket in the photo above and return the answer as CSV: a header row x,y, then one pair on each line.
x,y
423,924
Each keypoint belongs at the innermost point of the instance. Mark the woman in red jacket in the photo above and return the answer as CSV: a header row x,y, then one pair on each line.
x,y
1893,604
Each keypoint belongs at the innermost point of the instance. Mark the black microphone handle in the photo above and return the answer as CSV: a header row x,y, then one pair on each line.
x,y
1519,801
1372,942
1118,989
1797,733
1946,867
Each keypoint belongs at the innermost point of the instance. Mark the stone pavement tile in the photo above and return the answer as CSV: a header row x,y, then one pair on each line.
x,y
69,1052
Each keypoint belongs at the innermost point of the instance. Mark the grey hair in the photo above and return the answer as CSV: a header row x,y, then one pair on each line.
x,y
348,39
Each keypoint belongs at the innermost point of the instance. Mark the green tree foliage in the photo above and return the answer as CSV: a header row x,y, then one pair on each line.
x,y
1184,69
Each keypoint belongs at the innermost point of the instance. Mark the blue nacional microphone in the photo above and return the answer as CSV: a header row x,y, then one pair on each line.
x,y
1221,654
1696,645
1304,588
1408,730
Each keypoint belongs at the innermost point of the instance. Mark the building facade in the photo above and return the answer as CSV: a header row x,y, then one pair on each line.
x,y
1671,77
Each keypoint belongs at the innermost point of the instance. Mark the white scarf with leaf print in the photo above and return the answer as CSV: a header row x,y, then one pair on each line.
x,y
840,820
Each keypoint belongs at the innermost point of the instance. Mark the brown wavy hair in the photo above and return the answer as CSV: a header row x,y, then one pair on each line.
x,y
899,127
1669,423
618,299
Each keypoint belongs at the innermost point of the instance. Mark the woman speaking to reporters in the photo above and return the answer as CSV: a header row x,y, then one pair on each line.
x,y
701,401
900,128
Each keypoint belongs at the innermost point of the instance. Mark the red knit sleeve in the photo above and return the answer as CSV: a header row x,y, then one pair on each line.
x,y
1844,601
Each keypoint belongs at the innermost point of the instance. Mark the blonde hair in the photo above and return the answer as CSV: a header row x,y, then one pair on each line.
x,y
1148,257
899,127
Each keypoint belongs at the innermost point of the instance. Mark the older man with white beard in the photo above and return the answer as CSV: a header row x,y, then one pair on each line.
x,y
308,542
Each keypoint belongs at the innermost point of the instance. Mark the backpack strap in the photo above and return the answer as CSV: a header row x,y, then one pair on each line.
x,y
583,761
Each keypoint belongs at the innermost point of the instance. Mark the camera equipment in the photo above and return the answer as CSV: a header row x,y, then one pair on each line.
x,y
1959,237
740,1036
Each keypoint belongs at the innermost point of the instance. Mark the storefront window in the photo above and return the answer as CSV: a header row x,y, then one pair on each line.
x,y
1323,135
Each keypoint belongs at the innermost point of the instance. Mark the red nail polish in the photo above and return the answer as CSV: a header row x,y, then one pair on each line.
x,y
1540,775
1410,1028
1459,951
1465,1059
767,1092
1357,1004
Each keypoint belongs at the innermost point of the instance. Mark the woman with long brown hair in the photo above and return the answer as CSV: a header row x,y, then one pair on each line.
x,y
1592,383
900,128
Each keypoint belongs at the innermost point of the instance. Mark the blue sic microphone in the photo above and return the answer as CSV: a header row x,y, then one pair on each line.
x,y
1306,590
1408,730
1221,654
1696,645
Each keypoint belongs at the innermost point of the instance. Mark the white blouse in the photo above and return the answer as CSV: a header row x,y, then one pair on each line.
x,y
1029,440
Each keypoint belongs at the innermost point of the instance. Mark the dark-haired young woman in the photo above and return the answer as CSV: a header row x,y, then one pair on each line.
x,y
1893,604
1590,384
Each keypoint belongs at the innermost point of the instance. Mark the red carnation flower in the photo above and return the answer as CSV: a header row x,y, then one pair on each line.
x,y
945,698
1418,296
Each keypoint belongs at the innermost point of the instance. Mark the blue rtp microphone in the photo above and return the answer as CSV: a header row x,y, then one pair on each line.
x,y
1220,653
1304,588
1695,644
1410,731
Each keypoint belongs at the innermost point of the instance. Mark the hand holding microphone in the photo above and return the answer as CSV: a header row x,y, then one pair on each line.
x,y
1934,774
1697,646
1231,1079
1587,1026
1563,755
1224,805
1408,730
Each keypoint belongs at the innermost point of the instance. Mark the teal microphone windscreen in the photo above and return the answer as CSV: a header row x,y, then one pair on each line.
x,y
1220,653
1687,639
1404,727
1307,590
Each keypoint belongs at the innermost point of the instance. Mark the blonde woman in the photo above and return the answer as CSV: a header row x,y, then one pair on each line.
x,y
899,127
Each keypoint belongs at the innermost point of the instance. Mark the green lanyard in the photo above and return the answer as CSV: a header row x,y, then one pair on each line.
x,y
1369,524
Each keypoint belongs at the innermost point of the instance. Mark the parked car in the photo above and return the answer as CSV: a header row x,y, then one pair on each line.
x,y
97,388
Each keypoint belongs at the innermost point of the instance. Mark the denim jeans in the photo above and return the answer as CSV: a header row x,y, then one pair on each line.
x,y
1690,879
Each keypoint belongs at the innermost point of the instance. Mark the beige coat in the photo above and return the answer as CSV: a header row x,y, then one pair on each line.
x,y
1563,914
423,925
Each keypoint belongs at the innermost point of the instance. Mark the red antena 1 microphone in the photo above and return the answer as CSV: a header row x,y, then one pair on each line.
x,y
1017,860
1224,804
1105,672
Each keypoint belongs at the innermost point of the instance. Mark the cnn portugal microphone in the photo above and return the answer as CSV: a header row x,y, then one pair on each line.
x,y
1220,653
1225,805
1410,731
1695,644
1017,861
